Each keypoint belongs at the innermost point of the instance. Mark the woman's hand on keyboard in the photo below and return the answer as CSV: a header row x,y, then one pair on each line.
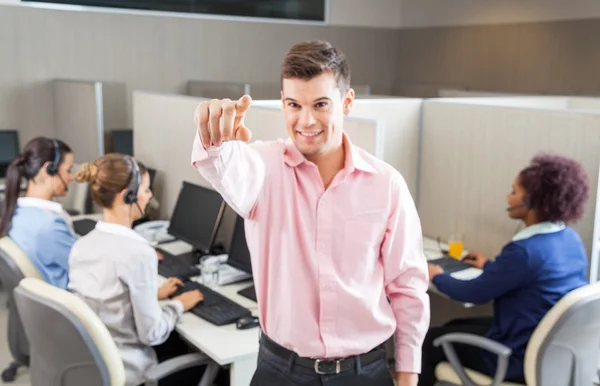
x,y
475,259
434,270
169,288
190,299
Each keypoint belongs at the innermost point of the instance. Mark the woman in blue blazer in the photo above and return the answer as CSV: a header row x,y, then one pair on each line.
x,y
542,263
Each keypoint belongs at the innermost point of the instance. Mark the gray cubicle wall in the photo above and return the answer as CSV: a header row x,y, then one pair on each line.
x,y
83,110
217,90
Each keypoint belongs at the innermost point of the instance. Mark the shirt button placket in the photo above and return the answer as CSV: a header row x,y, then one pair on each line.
x,y
327,282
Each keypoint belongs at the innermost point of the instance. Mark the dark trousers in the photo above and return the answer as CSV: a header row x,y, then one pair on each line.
x,y
283,370
470,357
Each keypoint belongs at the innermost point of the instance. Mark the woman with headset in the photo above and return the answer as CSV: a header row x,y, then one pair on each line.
x,y
541,264
114,270
36,223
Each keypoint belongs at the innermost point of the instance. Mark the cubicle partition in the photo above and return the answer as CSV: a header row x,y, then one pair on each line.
x,y
584,103
83,110
471,154
400,120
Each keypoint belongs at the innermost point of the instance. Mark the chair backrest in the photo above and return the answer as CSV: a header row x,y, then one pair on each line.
x,y
14,266
70,346
564,348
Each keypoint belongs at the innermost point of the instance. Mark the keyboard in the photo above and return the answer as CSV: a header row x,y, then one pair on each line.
x,y
215,308
84,226
450,264
181,266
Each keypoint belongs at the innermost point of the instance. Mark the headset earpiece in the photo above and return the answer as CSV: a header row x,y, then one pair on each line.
x,y
131,194
52,168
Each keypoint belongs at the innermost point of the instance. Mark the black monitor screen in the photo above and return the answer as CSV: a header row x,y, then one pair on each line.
x,y
9,149
197,216
239,255
122,141
9,146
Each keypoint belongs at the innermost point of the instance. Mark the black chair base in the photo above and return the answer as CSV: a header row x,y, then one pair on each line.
x,y
10,373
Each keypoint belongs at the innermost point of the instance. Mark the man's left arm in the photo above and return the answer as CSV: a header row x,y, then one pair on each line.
x,y
406,282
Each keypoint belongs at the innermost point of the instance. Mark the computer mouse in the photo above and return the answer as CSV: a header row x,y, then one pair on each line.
x,y
246,322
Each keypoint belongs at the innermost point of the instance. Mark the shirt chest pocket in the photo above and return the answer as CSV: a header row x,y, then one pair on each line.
x,y
361,246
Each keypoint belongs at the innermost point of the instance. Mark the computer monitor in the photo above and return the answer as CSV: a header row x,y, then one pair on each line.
x,y
239,255
197,216
122,141
9,149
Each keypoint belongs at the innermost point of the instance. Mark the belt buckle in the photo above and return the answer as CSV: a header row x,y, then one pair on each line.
x,y
319,361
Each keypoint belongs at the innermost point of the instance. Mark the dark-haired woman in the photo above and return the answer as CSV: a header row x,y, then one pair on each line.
x,y
542,263
36,223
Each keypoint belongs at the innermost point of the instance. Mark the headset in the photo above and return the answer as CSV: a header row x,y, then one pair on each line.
x,y
131,194
52,168
526,203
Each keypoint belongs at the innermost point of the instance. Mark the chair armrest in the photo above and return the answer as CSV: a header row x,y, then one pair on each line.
x,y
503,352
174,365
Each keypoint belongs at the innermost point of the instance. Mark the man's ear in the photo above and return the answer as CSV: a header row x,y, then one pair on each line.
x,y
348,101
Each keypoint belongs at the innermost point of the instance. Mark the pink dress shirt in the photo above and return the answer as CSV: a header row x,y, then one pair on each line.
x,y
325,261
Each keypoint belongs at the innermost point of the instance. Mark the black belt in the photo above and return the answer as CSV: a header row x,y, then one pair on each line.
x,y
323,366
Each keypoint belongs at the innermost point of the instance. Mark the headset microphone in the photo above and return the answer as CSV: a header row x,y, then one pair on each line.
x,y
63,182
515,207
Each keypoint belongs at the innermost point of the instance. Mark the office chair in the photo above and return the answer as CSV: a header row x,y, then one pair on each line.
x,y
563,349
14,266
70,346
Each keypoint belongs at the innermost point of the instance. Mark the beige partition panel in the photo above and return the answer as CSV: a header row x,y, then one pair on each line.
x,y
400,119
217,90
78,117
592,104
114,100
535,102
165,131
472,153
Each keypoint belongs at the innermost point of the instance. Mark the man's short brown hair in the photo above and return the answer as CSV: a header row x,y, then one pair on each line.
x,y
310,59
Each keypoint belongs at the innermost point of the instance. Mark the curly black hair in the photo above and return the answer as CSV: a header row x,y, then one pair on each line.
x,y
557,187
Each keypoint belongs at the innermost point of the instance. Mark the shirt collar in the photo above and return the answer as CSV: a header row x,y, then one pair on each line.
x,y
539,228
119,230
34,202
354,160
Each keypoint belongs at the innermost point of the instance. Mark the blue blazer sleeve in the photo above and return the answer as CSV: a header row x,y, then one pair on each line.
x,y
57,240
510,270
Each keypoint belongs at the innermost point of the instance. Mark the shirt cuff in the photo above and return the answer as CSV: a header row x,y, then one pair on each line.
x,y
199,153
178,307
408,359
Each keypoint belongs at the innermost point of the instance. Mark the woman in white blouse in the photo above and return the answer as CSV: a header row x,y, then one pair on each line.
x,y
114,270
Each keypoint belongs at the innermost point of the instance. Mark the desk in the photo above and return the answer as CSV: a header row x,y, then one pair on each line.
x,y
432,251
226,345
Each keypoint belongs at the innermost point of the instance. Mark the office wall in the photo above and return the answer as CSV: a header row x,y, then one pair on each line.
x,y
157,54
157,116
471,155
401,122
556,58
428,13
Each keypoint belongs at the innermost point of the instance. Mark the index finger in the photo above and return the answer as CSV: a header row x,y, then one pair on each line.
x,y
178,281
243,104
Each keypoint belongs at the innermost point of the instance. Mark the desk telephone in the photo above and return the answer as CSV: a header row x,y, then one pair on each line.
x,y
156,231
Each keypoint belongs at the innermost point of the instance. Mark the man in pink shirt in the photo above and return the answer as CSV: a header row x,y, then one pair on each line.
x,y
334,235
